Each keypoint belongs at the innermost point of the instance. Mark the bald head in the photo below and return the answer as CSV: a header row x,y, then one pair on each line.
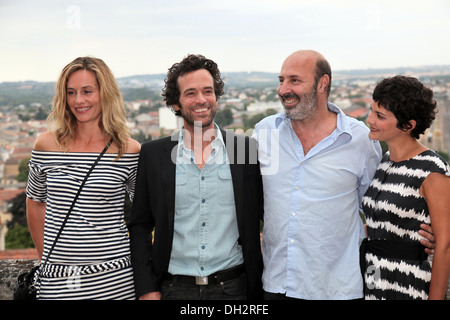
x,y
306,54
313,61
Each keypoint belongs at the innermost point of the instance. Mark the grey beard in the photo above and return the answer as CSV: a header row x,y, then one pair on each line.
x,y
306,108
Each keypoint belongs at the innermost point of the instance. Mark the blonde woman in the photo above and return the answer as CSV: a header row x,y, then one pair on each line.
x,y
91,259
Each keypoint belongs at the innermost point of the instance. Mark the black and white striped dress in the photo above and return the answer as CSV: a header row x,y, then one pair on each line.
x,y
394,210
91,259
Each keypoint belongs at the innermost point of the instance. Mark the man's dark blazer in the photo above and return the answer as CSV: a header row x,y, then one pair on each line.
x,y
154,203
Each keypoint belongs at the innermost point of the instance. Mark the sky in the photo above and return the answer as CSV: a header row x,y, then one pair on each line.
x,y
38,38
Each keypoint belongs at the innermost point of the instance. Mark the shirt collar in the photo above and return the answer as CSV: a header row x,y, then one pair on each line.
x,y
218,142
342,124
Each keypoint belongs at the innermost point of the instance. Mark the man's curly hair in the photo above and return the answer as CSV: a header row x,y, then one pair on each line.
x,y
192,62
408,99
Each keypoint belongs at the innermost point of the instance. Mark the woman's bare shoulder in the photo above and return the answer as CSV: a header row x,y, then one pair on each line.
x,y
133,146
46,142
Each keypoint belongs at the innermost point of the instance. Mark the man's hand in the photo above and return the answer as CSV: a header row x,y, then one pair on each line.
x,y
156,295
429,242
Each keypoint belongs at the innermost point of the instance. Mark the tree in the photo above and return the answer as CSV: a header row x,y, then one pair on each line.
x,y
224,117
141,137
17,207
40,114
18,235
23,170
250,123
443,155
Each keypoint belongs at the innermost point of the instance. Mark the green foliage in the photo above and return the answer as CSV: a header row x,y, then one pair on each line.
x,y
141,137
224,117
23,170
249,123
26,93
18,237
133,94
40,114
444,155
17,207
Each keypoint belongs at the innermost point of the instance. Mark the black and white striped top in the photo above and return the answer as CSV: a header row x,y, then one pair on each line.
x,y
394,210
95,231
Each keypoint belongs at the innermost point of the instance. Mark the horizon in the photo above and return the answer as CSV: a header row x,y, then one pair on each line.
x,y
335,72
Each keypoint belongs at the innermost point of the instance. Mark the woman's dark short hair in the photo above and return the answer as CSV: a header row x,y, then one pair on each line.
x,y
171,92
408,99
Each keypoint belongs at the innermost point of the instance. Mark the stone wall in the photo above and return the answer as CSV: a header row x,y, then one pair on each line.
x,y
10,269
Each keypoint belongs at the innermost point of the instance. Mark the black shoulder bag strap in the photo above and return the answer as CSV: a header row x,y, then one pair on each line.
x,y
75,199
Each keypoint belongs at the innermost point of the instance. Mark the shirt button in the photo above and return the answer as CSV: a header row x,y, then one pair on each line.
x,y
203,178
293,214
203,200
292,241
203,247
203,224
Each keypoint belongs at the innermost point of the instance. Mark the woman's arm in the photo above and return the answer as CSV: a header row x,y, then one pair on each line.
x,y
36,220
36,209
436,190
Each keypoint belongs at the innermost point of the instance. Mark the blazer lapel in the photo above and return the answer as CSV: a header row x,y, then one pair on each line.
x,y
237,175
168,173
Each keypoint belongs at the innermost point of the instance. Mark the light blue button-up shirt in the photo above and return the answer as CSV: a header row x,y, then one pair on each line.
x,y
205,229
312,228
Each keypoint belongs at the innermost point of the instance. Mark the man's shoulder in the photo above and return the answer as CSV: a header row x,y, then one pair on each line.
x,y
241,149
232,138
271,121
358,124
159,143
360,138
358,128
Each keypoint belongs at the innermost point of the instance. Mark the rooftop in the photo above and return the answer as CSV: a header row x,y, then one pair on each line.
x,y
18,254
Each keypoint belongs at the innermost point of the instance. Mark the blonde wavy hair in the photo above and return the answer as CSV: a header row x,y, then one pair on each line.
x,y
113,118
